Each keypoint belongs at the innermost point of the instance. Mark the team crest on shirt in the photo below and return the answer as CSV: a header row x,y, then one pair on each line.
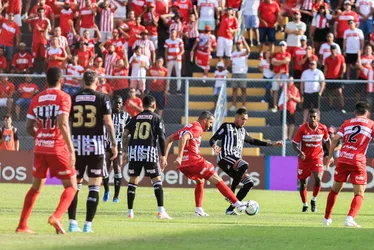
x,y
300,171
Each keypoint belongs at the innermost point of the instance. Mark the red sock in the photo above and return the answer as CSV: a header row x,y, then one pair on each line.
x,y
355,205
66,198
199,194
316,190
331,199
304,195
226,191
28,204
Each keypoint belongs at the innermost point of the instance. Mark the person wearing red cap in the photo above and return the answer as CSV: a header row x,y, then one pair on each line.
x,y
106,18
98,66
226,31
150,20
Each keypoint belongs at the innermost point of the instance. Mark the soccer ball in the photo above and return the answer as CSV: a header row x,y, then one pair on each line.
x,y
252,208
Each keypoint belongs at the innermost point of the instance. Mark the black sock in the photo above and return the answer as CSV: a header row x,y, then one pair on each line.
x,y
130,195
106,184
234,184
117,184
92,202
247,186
72,210
159,193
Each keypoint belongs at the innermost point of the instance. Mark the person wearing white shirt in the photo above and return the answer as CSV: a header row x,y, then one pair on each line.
x,y
294,30
139,66
311,88
251,19
268,73
365,11
325,51
353,42
206,10
220,75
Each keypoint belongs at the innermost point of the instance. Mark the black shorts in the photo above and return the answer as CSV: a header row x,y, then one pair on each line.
x,y
231,165
351,58
360,87
333,85
306,19
94,164
320,35
290,119
311,100
151,169
160,99
339,41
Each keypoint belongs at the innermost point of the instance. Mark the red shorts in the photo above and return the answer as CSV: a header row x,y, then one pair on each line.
x,y
38,50
357,175
202,60
58,165
201,170
305,171
292,50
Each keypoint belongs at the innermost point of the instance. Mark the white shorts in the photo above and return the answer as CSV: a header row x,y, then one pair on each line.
x,y
91,31
3,102
17,19
224,46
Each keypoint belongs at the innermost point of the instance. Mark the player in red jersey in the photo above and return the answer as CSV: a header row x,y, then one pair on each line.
x,y
308,145
356,133
194,166
48,122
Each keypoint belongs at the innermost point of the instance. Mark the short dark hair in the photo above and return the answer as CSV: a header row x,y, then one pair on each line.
x,y
137,47
241,111
89,77
313,111
53,76
40,9
206,115
117,98
7,116
148,100
361,108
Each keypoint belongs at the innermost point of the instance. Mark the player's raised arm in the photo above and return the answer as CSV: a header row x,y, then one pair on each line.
x,y
181,144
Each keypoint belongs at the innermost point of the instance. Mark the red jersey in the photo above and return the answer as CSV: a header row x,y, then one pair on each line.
x,y
3,62
119,44
191,152
14,6
158,85
91,43
228,23
105,88
291,104
87,18
134,30
334,66
6,91
342,22
132,111
137,6
311,143
366,62
65,17
22,61
27,90
120,83
299,55
284,67
148,18
52,52
184,8
47,8
38,36
269,12
84,58
9,30
99,71
44,109
357,133
235,4
206,42
161,6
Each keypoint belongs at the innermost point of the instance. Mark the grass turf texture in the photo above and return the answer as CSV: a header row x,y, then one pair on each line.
x,y
279,224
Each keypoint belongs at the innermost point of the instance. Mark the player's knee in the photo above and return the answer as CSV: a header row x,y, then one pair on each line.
x,y
157,185
131,187
118,175
242,167
247,183
94,188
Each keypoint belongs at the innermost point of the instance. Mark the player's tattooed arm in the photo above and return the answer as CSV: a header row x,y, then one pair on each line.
x,y
31,127
181,144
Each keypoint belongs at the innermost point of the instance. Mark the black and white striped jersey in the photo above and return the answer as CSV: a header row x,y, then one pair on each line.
x,y
87,122
145,130
120,121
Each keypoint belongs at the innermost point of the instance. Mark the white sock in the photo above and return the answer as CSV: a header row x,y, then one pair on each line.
x,y
199,209
74,222
350,218
314,198
161,209
238,204
88,223
130,211
305,204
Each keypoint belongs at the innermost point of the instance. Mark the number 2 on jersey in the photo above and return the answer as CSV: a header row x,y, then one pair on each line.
x,y
355,131
89,121
142,130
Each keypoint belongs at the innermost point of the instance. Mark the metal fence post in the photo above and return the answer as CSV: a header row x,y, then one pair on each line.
x,y
186,99
284,119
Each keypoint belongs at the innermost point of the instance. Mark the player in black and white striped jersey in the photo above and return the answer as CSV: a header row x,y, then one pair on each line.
x,y
232,137
120,120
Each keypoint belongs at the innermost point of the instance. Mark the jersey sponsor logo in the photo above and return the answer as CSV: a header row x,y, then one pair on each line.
x,y
45,143
48,97
85,98
45,135
96,171
300,171
346,155
145,117
66,172
360,178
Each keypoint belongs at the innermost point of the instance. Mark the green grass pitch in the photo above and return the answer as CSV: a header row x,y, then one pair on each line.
x,y
279,224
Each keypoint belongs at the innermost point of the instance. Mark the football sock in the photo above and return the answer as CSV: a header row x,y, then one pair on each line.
x,y
28,204
161,209
72,210
226,192
314,198
66,198
355,205
247,186
234,184
131,187
199,194
331,199
106,184
316,190
159,193
303,195
92,202
117,184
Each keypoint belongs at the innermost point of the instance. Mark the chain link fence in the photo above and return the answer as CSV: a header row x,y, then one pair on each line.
x,y
262,99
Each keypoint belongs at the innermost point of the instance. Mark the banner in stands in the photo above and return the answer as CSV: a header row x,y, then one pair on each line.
x,y
15,167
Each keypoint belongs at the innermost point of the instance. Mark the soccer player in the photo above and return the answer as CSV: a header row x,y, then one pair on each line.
x,y
90,111
141,151
307,143
233,136
356,133
120,120
48,122
194,166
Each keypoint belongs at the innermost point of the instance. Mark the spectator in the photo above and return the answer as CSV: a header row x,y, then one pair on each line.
x,y
281,62
85,56
98,66
6,93
8,135
369,74
325,49
133,104
366,61
22,61
293,98
204,44
226,32
365,11
106,18
332,133
174,50
134,34
111,57
139,7
309,57
306,10
251,20
335,68
3,61
139,67
221,75
151,19
72,84
353,41
185,7
55,55
192,31
91,41
9,31
268,14
14,7
147,46
320,27
67,19
294,30
121,85
311,88
119,43
26,90
120,13
341,23
288,8
158,87
62,40
86,18
266,68
206,10
299,55
104,87
49,14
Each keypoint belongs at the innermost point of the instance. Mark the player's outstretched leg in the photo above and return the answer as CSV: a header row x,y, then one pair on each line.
x,y
199,195
247,186
355,205
91,206
331,200
28,204
304,194
316,190
72,211
159,193
131,188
